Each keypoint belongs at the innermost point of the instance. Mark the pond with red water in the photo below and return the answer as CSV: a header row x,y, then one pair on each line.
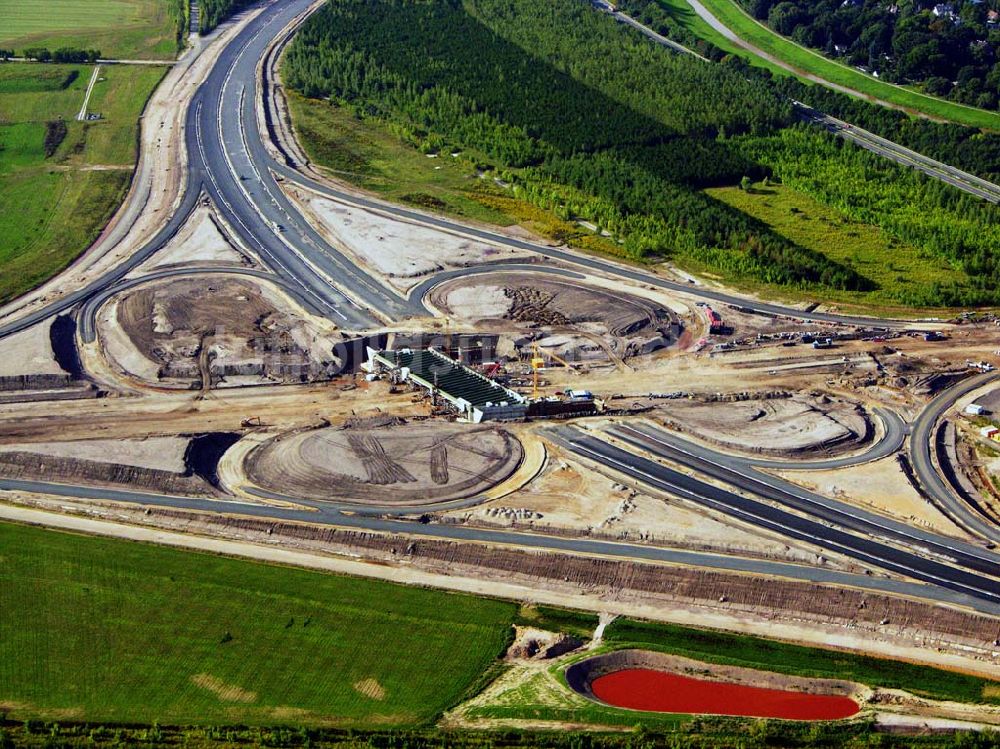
x,y
660,691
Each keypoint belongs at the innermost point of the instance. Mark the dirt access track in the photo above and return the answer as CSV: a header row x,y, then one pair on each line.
x,y
401,463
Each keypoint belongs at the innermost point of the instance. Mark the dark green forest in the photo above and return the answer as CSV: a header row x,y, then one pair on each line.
x,y
214,12
589,120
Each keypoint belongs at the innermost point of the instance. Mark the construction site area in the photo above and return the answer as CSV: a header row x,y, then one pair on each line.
x,y
284,364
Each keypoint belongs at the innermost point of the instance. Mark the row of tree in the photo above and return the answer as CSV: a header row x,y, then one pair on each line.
x,y
178,10
214,12
62,55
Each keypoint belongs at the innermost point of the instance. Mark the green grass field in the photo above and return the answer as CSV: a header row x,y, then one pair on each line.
x,y
126,29
362,152
580,624
56,206
808,61
106,630
887,261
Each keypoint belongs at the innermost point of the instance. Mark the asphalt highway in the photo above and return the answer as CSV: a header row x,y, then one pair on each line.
x,y
227,148
228,161
525,540
927,474
740,474
865,550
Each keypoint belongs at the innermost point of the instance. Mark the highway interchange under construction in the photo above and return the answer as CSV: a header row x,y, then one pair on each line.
x,y
288,430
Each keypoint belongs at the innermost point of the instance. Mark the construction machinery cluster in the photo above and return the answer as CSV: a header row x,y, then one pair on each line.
x,y
474,391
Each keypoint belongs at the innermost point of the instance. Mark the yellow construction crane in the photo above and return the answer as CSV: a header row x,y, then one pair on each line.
x,y
559,360
537,363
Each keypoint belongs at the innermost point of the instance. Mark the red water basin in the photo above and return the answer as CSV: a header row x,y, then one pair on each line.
x,y
663,692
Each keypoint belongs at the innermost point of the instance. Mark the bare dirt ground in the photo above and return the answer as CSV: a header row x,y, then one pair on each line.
x,y
881,486
200,241
385,463
789,424
172,412
901,374
574,321
160,453
216,332
29,352
570,498
399,251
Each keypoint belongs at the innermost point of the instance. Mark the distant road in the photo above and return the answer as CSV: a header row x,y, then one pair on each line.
x,y
82,114
964,181
111,61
